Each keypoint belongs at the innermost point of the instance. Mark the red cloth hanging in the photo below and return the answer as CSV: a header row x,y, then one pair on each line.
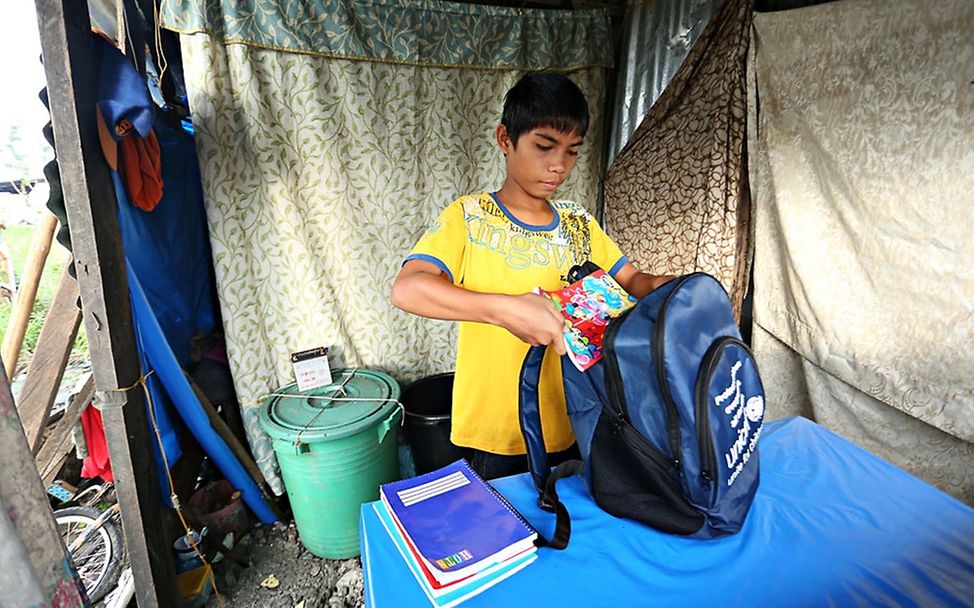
x,y
97,463
140,167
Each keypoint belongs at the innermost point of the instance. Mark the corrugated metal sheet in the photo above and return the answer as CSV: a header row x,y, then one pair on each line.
x,y
657,35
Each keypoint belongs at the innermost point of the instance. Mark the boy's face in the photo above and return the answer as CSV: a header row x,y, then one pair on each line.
x,y
542,159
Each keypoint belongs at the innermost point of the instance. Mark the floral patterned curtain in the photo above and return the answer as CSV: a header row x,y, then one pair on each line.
x,y
35,570
330,134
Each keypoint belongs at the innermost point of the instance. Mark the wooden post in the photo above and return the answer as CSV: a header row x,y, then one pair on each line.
x,y
72,65
46,369
13,340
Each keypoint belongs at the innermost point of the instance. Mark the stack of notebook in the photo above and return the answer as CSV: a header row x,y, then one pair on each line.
x,y
456,533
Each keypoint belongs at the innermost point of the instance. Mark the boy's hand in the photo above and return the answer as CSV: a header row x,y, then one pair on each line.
x,y
421,288
638,284
534,320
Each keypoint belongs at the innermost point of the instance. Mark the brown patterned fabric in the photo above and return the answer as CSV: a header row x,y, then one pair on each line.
x,y
676,198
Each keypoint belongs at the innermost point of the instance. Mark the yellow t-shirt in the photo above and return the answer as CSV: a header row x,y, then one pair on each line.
x,y
482,247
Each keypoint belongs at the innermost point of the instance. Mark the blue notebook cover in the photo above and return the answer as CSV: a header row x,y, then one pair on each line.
x,y
459,592
457,521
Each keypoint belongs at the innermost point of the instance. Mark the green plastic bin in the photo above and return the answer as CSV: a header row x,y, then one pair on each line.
x,y
335,446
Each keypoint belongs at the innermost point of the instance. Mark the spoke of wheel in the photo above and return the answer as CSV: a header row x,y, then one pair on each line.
x,y
92,558
69,533
91,553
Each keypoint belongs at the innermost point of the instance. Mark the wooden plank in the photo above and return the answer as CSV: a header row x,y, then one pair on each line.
x,y
54,468
13,339
58,442
242,453
71,65
46,369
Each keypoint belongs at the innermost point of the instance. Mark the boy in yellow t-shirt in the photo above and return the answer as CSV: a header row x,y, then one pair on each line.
x,y
481,258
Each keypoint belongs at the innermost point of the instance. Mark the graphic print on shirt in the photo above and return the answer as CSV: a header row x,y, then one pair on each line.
x,y
744,415
435,226
567,244
482,248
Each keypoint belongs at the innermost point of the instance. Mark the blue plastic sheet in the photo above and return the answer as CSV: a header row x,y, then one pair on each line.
x,y
169,247
831,525
168,264
122,92
163,362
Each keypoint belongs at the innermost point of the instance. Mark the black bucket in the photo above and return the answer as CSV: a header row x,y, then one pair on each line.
x,y
427,402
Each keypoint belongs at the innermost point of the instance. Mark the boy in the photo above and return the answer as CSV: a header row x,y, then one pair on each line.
x,y
480,260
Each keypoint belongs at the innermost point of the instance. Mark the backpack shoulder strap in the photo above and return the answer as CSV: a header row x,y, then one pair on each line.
x,y
544,479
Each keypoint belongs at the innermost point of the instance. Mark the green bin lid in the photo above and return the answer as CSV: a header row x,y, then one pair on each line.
x,y
357,399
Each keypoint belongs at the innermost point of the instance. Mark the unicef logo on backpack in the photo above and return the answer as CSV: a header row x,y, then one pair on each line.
x,y
744,415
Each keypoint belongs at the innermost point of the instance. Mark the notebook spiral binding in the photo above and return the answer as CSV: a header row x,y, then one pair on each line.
x,y
500,497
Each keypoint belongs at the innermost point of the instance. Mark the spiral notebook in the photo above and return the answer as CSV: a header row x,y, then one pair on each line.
x,y
460,591
457,522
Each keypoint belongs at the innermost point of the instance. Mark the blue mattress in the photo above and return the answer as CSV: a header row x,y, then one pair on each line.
x,y
831,525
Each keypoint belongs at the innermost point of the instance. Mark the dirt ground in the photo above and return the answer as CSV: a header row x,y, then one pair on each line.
x,y
305,581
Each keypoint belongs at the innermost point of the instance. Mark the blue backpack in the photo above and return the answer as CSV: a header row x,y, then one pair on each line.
x,y
667,422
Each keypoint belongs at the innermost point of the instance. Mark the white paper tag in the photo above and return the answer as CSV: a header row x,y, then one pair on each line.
x,y
311,368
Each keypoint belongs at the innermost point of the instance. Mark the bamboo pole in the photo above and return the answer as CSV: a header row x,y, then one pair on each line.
x,y
13,339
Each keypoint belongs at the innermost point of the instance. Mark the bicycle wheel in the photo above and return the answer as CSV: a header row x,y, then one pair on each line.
x,y
99,558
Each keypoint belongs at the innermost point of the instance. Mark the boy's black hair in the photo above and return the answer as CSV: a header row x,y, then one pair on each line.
x,y
544,99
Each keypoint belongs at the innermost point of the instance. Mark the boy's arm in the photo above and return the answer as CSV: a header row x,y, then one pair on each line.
x,y
422,289
637,283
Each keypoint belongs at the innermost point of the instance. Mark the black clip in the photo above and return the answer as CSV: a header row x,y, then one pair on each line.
x,y
580,271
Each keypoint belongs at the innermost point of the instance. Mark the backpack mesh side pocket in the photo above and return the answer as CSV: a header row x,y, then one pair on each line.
x,y
632,479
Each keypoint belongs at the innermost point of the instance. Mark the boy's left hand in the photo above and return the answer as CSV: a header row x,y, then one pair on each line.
x,y
637,283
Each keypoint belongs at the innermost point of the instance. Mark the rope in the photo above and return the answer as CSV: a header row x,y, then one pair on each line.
x,y
138,383
163,64
341,391
172,492
323,397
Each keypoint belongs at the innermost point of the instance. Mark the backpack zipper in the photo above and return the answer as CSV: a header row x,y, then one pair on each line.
x,y
708,459
672,416
636,441
614,388
615,392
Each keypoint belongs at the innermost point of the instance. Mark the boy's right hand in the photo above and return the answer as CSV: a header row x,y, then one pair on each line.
x,y
423,289
534,320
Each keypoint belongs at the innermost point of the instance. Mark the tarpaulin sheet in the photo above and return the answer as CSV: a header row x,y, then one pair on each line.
x,y
169,247
831,525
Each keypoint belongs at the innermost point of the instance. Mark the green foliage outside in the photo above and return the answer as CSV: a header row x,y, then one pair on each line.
x,y
19,238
